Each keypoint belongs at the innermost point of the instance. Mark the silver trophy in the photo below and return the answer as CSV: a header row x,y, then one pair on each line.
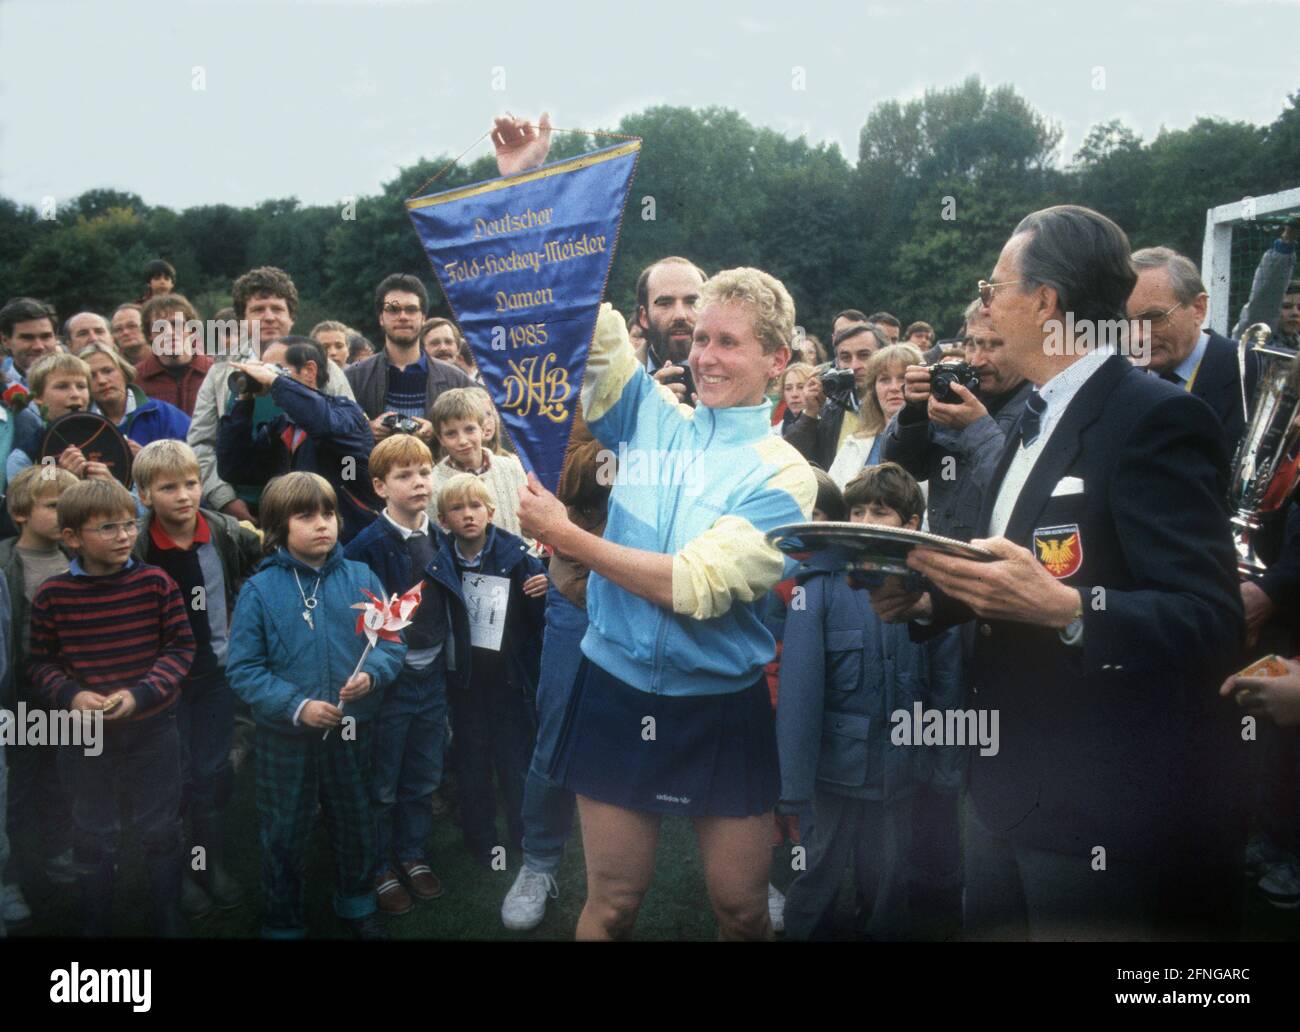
x,y
1266,468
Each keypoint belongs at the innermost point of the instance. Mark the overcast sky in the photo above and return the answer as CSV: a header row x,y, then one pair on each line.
x,y
190,102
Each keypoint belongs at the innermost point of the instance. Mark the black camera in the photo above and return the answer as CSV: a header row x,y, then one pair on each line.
x,y
945,374
241,383
401,424
684,377
838,383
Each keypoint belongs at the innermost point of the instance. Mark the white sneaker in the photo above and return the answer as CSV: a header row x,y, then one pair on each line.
x,y
776,907
14,907
525,903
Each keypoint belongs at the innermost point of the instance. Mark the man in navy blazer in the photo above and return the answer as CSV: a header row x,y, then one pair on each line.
x,y
1170,299
1102,626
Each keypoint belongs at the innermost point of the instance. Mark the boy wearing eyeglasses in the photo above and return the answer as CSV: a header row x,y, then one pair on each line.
x,y
110,639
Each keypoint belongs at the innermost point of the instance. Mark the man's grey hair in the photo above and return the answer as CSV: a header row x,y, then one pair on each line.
x,y
1184,277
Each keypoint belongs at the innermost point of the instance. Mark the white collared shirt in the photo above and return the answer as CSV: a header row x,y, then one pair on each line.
x,y
1057,393
406,532
1186,369
416,659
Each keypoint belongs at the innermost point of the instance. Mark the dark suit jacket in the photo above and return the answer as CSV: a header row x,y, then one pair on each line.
x,y
369,380
1116,742
1218,384
817,439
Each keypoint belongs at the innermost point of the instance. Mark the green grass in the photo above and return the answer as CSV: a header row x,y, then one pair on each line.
x,y
676,908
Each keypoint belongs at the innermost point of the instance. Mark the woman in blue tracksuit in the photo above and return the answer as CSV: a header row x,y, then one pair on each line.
x,y
670,712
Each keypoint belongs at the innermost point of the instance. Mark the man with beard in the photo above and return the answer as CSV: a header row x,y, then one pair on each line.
x,y
666,294
440,339
402,380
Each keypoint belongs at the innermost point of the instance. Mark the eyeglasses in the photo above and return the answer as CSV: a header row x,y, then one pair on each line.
x,y
987,289
108,531
1157,319
393,309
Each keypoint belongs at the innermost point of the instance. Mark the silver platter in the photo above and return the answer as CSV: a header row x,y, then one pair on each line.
x,y
860,546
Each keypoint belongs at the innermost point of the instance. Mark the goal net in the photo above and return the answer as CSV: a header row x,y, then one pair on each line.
x,y
1236,237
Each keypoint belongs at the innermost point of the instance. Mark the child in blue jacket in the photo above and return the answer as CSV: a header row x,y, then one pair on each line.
x,y
845,678
293,649
498,612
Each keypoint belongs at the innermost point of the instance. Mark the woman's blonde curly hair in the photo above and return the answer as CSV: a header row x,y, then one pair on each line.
x,y
772,305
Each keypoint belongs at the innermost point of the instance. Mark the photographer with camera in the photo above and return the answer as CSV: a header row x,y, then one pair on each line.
x,y
402,380
315,432
821,431
951,435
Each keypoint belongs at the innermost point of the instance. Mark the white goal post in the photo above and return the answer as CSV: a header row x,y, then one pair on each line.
x,y
1216,252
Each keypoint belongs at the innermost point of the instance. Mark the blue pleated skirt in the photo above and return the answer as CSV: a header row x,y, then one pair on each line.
x,y
697,756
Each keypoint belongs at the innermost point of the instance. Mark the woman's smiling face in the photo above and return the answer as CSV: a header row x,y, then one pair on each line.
x,y
727,358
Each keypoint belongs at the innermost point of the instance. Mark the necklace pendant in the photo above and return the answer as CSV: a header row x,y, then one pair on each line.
x,y
306,615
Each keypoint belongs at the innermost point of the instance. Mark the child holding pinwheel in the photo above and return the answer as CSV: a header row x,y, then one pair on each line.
x,y
293,658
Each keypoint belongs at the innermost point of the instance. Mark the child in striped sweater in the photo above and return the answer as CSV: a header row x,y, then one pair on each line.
x,y
459,418
110,639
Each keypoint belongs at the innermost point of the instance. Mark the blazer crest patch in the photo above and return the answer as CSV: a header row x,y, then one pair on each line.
x,y
1059,549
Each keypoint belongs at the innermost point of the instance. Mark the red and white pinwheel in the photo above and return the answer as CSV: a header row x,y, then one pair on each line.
x,y
380,619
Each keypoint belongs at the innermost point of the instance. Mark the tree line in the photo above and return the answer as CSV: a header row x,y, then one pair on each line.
x,y
910,226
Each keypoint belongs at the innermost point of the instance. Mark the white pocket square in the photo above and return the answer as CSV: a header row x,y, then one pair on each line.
x,y
1067,486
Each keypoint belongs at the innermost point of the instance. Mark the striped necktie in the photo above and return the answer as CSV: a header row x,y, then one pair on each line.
x,y
1031,421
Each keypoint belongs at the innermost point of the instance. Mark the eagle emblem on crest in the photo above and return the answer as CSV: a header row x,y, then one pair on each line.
x,y
1059,549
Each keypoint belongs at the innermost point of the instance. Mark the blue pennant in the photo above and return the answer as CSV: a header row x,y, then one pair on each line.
x,y
523,261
